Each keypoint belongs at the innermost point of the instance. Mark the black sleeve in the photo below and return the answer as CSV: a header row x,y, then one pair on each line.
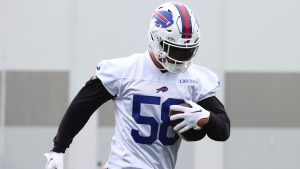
x,y
85,103
218,127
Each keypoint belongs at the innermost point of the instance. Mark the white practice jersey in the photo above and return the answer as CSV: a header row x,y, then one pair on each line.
x,y
143,137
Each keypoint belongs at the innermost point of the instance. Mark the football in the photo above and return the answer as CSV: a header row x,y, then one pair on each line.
x,y
191,134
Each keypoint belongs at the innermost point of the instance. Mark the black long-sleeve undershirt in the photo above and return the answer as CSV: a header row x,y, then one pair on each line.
x,y
86,102
94,94
218,127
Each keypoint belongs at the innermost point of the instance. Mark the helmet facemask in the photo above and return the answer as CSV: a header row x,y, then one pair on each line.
x,y
174,58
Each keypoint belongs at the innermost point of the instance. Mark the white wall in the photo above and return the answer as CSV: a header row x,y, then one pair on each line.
x,y
25,146
34,34
262,35
263,148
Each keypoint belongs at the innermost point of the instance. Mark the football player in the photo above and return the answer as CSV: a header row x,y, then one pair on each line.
x,y
144,87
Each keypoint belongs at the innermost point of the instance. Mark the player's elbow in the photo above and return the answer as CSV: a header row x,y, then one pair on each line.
x,y
222,135
225,135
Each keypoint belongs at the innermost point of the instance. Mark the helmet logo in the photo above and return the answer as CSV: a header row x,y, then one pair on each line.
x,y
164,19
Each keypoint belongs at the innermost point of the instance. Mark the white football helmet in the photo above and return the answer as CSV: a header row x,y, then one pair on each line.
x,y
174,36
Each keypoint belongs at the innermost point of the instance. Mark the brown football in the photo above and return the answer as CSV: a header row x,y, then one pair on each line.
x,y
191,134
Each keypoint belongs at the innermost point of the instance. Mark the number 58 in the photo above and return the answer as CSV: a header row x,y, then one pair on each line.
x,y
138,100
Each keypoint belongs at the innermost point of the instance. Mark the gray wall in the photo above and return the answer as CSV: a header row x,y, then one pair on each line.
x,y
263,99
35,98
265,117
35,102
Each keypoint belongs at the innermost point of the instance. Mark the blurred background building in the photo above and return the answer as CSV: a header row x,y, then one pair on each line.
x,y
49,49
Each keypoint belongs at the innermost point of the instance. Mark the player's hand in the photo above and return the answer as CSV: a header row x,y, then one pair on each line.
x,y
54,160
191,116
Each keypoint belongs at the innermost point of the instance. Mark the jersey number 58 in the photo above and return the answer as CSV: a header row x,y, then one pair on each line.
x,y
138,100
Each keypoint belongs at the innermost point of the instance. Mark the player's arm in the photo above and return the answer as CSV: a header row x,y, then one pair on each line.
x,y
89,98
218,126
86,102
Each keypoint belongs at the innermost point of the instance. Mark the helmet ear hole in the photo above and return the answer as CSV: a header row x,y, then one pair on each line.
x,y
161,44
151,36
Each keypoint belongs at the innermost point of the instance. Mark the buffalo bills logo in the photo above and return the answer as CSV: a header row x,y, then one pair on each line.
x,y
164,19
162,89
